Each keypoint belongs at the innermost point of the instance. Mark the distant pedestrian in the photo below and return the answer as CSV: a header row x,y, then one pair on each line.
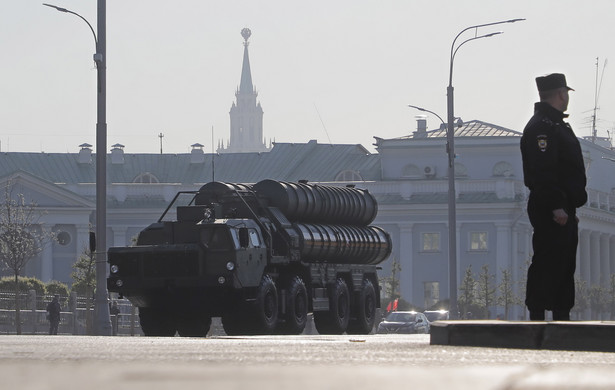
x,y
554,172
53,314
114,310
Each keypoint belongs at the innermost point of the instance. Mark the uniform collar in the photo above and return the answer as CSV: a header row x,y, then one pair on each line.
x,y
550,111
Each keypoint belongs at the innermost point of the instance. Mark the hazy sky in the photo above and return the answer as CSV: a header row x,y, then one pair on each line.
x,y
173,67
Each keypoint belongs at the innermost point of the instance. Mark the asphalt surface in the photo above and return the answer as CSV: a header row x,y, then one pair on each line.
x,y
290,362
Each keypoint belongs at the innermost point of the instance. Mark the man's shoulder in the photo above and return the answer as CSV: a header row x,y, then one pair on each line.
x,y
538,123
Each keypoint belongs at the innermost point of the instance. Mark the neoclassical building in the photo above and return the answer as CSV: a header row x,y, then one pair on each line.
x,y
407,175
492,223
140,186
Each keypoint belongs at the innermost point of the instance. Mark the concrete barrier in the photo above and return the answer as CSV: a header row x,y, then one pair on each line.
x,y
553,335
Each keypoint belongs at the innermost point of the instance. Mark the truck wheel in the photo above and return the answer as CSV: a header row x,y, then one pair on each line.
x,y
156,322
193,326
364,313
265,309
296,308
335,321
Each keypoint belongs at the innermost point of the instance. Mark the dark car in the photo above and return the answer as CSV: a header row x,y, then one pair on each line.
x,y
404,322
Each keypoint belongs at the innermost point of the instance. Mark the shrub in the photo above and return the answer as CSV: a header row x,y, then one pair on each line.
x,y
55,287
80,288
7,284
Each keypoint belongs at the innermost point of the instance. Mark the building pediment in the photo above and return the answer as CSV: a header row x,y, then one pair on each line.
x,y
42,192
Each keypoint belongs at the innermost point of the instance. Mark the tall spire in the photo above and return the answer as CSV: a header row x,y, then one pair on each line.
x,y
246,114
246,75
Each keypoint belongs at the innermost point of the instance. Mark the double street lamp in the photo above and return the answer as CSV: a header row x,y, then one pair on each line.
x,y
450,150
102,323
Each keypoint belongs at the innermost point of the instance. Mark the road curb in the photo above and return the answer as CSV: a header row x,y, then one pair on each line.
x,y
596,336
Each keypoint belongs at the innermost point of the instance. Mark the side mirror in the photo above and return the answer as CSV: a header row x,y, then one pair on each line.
x,y
244,237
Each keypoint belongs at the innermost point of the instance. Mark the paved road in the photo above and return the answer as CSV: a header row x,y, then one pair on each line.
x,y
289,362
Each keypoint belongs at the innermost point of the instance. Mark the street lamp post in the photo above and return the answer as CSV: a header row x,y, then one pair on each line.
x,y
450,148
102,323
426,110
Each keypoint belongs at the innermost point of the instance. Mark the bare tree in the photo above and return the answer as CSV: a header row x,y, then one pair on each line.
x,y
581,297
467,298
506,297
391,283
486,289
611,297
22,237
597,300
84,277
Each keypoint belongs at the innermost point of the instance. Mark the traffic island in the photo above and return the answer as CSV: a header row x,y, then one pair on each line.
x,y
554,335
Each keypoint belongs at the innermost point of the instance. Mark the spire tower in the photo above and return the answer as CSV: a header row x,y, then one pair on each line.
x,y
246,113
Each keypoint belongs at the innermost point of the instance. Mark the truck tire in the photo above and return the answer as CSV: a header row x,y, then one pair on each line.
x,y
265,307
335,321
295,318
364,313
193,325
156,322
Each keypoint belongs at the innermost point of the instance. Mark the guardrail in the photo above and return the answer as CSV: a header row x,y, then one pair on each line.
x,y
73,318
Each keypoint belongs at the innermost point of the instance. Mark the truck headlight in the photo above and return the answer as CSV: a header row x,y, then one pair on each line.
x,y
114,269
230,266
221,280
119,282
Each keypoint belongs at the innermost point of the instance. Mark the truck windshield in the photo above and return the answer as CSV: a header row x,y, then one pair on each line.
x,y
218,238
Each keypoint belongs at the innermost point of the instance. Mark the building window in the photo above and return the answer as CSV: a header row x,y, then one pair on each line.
x,y
478,241
348,175
430,242
411,171
146,178
63,238
461,170
503,169
432,293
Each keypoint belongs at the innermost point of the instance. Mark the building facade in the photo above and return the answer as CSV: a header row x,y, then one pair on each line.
x,y
408,176
492,224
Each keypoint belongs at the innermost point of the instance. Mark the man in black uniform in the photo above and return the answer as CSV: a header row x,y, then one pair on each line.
x,y
53,314
554,172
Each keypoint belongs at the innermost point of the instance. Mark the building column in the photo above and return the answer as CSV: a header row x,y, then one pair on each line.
x,y
406,256
514,264
584,258
605,266
47,262
594,267
460,272
612,256
529,248
502,257
83,239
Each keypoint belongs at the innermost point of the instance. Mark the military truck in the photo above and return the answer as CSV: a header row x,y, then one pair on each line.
x,y
260,256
